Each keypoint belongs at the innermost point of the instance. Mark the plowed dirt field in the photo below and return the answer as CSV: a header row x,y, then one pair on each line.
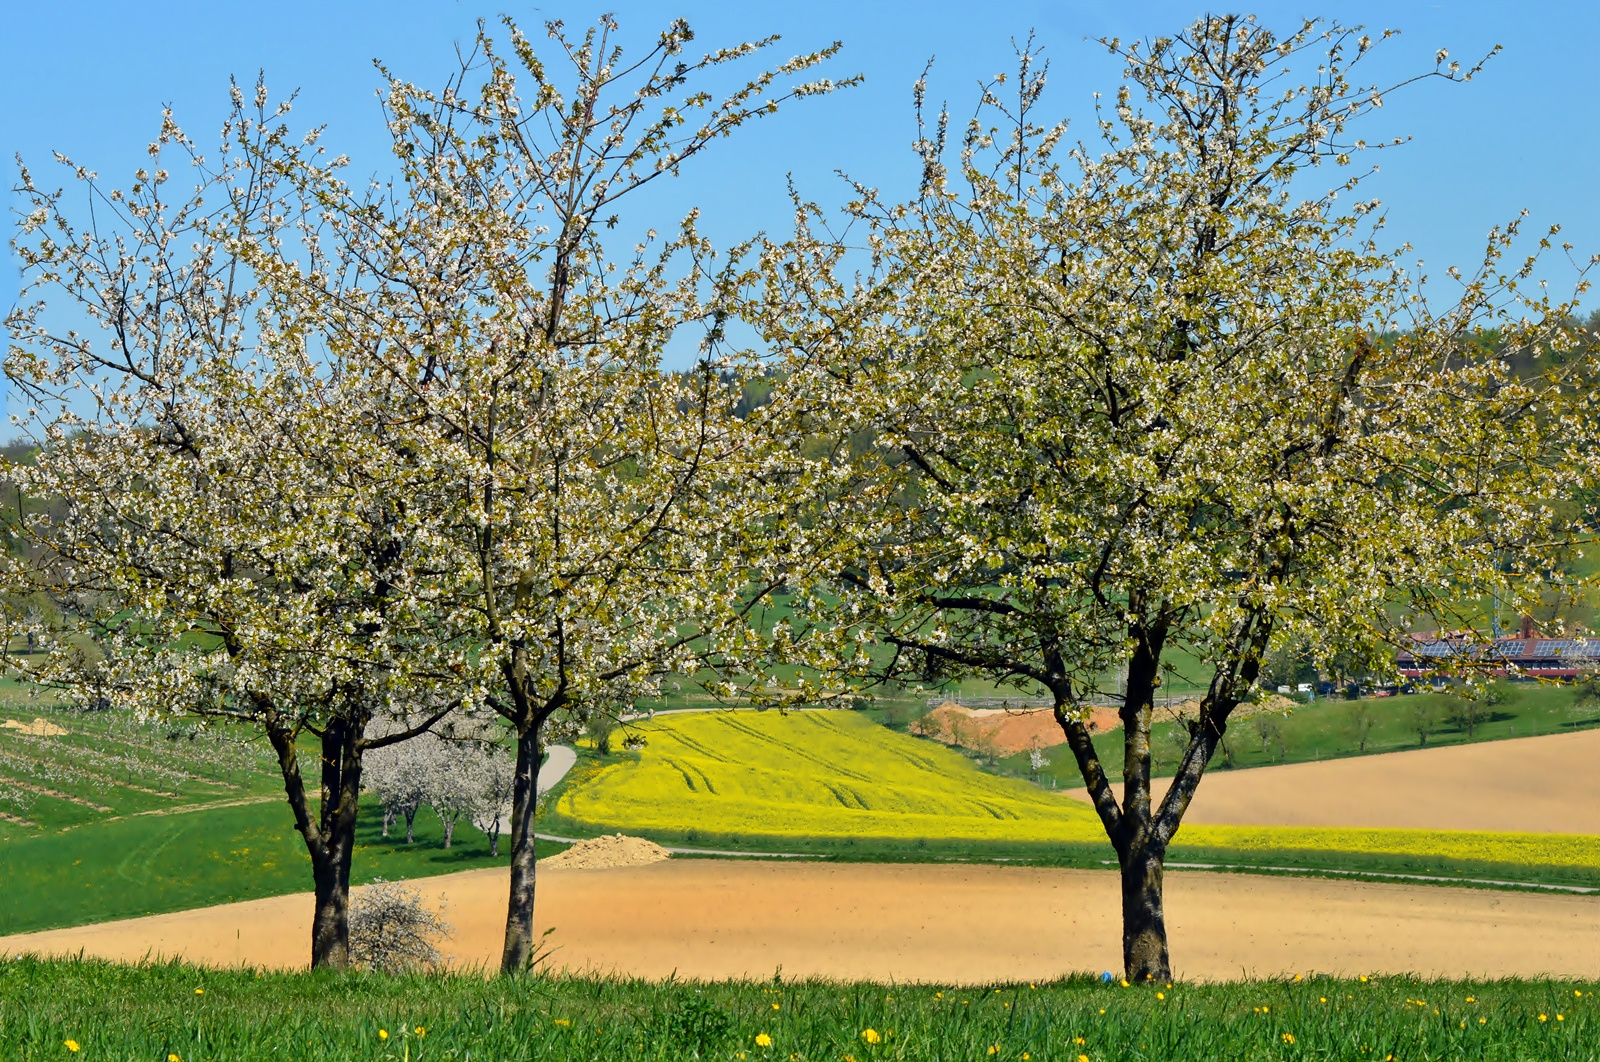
x,y
958,924
1540,785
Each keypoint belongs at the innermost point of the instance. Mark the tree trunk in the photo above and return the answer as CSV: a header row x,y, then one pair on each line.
x,y
449,824
1144,924
524,800
411,821
329,834
330,925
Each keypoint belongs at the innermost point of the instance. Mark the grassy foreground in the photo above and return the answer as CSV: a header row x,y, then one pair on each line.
x,y
94,1010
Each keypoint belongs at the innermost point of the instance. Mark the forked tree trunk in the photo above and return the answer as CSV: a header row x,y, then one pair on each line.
x,y
1140,833
329,834
519,943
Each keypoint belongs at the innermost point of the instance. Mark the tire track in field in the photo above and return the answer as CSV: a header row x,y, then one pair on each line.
x,y
798,752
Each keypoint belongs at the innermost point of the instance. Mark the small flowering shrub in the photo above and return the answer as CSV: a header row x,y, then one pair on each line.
x,y
391,931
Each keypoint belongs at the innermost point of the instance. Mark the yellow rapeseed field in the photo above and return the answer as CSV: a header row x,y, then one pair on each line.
x,y
836,774
815,774
1521,849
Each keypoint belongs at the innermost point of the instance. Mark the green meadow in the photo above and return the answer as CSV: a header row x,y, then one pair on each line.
x,y
91,1010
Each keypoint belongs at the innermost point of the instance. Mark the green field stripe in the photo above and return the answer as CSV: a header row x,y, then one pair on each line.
x,y
1379,875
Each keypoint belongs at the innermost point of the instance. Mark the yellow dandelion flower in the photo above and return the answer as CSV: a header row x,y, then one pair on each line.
x,y
1083,1058
1364,981
870,1036
173,1058
1561,1017
383,1034
994,1049
1080,1041
72,1045
563,1021
1322,999
1026,1056
421,1031
1288,1038
777,1006
1483,1021
1124,982
1266,1010
1161,995
199,991
1102,1010
1543,1018
1471,999
763,1040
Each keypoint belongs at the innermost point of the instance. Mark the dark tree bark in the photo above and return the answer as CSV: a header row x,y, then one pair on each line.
x,y
329,833
1140,834
519,942
1144,924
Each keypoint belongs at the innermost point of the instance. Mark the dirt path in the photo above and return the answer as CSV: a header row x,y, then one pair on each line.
x,y
1544,784
712,919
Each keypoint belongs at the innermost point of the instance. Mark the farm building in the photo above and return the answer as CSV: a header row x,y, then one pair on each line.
x,y
1525,653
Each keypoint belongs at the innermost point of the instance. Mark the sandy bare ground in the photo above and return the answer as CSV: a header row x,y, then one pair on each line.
x,y
714,919
1545,784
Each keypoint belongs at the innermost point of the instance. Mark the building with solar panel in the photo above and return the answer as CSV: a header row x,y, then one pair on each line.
x,y
1524,654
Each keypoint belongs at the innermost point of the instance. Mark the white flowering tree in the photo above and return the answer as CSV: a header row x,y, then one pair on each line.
x,y
1152,398
497,784
231,538
589,501
397,775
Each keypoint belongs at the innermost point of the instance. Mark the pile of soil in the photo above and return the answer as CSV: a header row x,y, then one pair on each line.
x,y
614,850
37,728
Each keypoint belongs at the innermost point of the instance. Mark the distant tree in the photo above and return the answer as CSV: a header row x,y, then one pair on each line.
x,y
1269,728
1037,760
600,723
1477,706
398,776
1422,718
1359,721
497,780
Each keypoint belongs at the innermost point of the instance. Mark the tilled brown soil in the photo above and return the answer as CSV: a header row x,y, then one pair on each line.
x,y
1536,785
919,922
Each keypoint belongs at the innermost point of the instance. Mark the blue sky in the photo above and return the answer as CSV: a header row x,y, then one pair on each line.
x,y
88,79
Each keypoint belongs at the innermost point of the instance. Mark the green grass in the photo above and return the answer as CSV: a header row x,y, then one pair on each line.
x,y
159,863
158,1012
106,766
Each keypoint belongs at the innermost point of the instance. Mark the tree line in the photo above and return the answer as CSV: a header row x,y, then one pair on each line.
x,y
353,463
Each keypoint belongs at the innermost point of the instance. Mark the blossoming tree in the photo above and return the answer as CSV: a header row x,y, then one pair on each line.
x,y
232,538
1156,397
588,502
